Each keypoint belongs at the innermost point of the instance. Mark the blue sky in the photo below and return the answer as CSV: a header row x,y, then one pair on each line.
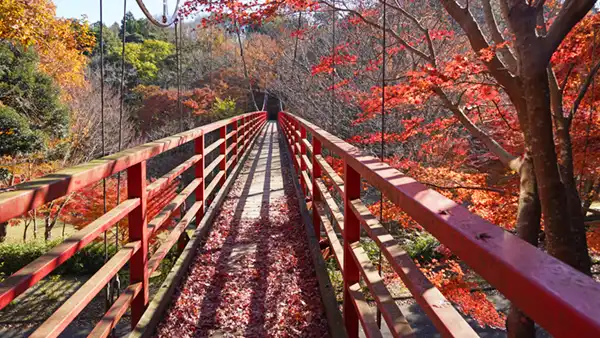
x,y
113,9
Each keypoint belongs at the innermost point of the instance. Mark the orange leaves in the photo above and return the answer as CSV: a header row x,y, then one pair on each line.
x,y
450,279
341,57
410,129
593,239
497,206
161,105
487,54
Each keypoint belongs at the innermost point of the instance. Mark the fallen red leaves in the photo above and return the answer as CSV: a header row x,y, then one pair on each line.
x,y
252,278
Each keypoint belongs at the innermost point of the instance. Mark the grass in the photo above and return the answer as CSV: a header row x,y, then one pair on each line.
x,y
14,233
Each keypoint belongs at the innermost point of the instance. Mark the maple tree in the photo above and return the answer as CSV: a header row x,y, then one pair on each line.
x,y
16,170
160,105
85,206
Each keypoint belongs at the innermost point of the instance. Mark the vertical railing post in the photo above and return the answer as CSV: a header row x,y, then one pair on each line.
x,y
199,171
295,141
316,174
290,126
351,235
223,151
303,165
138,231
244,130
234,139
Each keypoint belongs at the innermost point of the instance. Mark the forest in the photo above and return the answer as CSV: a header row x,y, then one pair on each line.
x,y
492,103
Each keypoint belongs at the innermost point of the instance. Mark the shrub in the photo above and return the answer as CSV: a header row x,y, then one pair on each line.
x,y
15,134
423,247
224,108
86,261
32,94
371,249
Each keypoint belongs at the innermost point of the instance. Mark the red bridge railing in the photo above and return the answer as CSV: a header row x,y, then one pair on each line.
x,y
562,300
235,136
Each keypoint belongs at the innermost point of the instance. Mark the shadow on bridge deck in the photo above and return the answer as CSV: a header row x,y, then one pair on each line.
x,y
254,275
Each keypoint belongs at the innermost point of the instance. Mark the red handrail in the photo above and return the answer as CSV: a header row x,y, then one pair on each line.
x,y
30,195
561,299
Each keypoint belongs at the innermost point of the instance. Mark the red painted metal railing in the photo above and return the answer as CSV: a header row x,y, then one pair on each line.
x,y
235,136
561,299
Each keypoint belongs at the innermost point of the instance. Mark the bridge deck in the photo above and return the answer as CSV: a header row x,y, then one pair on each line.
x,y
254,274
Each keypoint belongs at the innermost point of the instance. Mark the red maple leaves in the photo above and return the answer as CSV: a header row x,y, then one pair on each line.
x,y
252,278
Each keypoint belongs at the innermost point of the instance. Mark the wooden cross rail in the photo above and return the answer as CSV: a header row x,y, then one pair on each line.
x,y
159,197
561,299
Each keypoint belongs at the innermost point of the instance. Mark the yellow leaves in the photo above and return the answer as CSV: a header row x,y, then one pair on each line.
x,y
60,43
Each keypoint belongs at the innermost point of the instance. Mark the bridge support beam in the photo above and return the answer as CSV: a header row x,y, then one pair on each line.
x,y
223,152
351,235
138,231
316,144
302,162
199,172
234,139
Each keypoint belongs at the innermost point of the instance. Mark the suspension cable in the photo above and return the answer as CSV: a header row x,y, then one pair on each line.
x,y
210,50
237,30
265,99
333,53
383,65
117,281
107,298
178,28
297,37
167,21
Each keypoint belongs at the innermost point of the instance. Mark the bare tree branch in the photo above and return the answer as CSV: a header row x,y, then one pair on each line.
x,y
507,55
478,42
505,157
583,90
388,30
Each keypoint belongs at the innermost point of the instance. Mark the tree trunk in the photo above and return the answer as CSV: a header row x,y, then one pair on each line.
x,y
574,208
533,62
35,228
528,228
47,230
25,228
558,219
3,231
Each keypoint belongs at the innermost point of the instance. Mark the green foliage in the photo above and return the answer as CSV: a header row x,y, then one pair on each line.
x,y
138,30
112,44
224,108
146,57
85,262
336,278
16,135
423,247
35,109
371,249
54,294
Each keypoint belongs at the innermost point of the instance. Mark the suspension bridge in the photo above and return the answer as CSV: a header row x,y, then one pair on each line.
x,y
267,162
261,205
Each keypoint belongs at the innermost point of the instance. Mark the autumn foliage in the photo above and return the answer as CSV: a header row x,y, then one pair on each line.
x,y
61,43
